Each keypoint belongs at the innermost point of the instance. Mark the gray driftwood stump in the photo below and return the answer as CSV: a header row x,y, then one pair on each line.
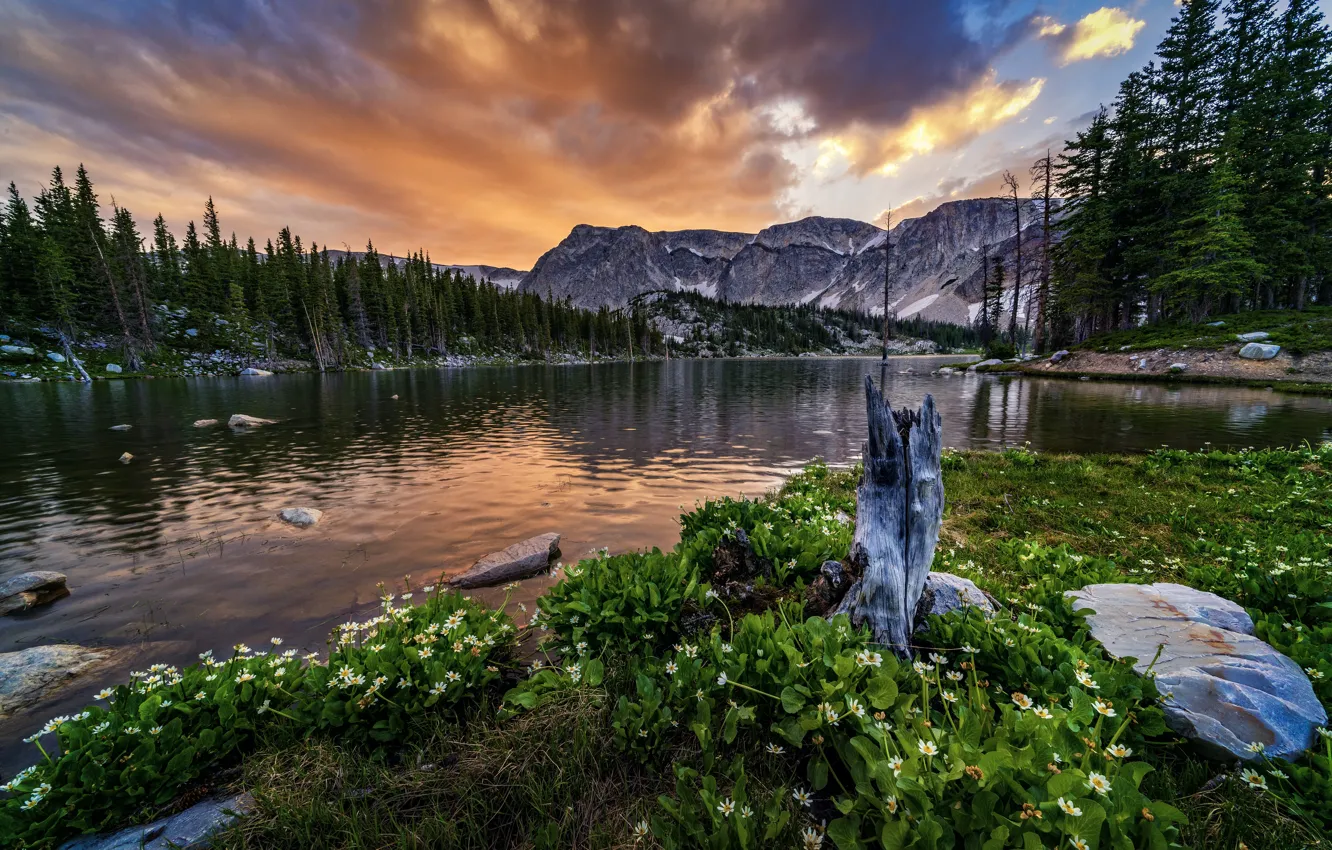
x,y
899,508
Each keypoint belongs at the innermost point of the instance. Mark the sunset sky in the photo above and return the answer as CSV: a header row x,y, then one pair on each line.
x,y
483,130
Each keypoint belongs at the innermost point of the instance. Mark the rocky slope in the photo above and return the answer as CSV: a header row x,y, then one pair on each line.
x,y
829,261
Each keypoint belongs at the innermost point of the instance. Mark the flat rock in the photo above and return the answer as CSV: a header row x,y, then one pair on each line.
x,y
1179,367
125,457
113,368
1253,336
30,675
1220,685
204,423
29,590
520,560
255,373
302,517
240,420
945,593
993,361
1259,351
1059,355
192,829
121,427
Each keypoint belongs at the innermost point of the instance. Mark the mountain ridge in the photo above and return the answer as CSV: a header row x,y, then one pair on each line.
x,y
834,262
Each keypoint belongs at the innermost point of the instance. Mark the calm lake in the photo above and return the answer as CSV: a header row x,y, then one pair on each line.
x,y
179,550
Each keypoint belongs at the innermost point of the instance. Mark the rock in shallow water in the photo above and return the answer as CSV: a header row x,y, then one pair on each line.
x,y
302,517
121,427
125,457
192,829
520,560
1220,685
255,373
240,420
29,675
204,423
30,590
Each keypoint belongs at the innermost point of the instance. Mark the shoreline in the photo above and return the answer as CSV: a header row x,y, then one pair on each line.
x,y
458,362
1309,374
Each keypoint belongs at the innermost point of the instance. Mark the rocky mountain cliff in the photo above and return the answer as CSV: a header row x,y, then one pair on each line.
x,y
834,262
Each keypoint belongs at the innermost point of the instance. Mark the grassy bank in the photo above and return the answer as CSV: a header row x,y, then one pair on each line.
x,y
658,714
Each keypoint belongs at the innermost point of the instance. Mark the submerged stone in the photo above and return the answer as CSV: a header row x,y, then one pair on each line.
x,y
1220,685
301,517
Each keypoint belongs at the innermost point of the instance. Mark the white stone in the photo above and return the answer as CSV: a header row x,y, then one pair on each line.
x,y
1220,685
240,420
126,457
1178,367
520,560
1253,336
204,423
301,517
121,427
257,373
113,368
1259,351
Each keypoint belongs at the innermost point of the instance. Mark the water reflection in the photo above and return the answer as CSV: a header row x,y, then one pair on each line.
x,y
180,545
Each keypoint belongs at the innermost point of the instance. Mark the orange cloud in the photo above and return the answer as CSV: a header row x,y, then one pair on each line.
x,y
1108,31
480,130
947,124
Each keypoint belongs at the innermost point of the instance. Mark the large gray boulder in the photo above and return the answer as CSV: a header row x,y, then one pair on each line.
x,y
993,361
1059,355
1220,685
520,560
300,517
945,593
1259,351
29,675
192,829
240,420
30,590
114,368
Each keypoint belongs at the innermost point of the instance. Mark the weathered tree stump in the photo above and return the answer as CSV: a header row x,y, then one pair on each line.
x,y
899,509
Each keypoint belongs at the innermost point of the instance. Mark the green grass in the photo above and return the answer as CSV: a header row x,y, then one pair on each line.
x,y
1298,332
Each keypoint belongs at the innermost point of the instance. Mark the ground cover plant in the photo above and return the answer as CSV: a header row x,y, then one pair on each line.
x,y
1298,332
660,712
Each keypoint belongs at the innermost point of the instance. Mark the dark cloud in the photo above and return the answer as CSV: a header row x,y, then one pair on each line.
x,y
483,129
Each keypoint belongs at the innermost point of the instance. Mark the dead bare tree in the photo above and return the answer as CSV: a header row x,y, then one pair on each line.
x,y
887,278
899,510
1042,186
1011,184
